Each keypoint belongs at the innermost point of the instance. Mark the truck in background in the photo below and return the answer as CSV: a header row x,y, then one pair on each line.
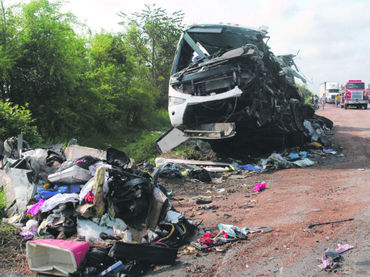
x,y
330,89
354,95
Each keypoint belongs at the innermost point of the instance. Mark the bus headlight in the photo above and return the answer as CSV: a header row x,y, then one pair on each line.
x,y
175,101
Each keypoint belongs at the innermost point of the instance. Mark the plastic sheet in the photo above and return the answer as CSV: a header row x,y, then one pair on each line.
x,y
39,154
343,248
293,156
307,124
89,185
118,223
249,167
304,162
91,231
85,189
29,231
57,200
275,161
17,188
329,151
331,259
233,231
94,167
173,217
170,170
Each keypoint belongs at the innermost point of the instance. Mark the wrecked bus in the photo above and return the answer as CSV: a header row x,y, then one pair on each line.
x,y
227,87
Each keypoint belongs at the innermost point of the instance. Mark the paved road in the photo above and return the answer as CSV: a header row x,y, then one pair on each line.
x,y
333,106
337,188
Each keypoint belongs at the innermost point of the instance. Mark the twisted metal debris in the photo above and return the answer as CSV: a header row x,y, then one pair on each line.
x,y
228,87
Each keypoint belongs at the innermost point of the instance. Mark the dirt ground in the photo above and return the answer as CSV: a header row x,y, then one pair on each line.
x,y
12,249
335,188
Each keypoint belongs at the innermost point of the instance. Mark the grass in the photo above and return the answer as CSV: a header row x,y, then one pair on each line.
x,y
137,143
142,147
185,150
8,232
12,251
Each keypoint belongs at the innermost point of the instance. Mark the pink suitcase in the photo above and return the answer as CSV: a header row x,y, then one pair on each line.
x,y
56,257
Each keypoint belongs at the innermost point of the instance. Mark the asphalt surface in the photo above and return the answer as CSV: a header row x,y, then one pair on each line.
x,y
334,189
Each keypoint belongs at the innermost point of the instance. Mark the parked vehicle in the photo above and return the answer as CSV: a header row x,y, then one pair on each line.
x,y
330,89
354,95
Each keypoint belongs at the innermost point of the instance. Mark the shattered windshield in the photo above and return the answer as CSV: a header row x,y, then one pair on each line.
x,y
208,41
226,38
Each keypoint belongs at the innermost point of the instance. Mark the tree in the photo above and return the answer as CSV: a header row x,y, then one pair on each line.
x,y
48,68
154,34
124,98
15,119
3,23
307,94
79,86
8,29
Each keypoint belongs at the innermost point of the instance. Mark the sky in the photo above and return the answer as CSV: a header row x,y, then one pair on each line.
x,y
331,36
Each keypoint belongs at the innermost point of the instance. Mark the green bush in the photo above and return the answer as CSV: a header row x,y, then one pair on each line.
x,y
15,119
160,119
143,147
2,203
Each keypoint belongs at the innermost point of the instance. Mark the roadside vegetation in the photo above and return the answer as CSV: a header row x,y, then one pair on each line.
x,y
2,203
307,94
59,80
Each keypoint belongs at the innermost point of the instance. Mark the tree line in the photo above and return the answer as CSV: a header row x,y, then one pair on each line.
x,y
63,81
